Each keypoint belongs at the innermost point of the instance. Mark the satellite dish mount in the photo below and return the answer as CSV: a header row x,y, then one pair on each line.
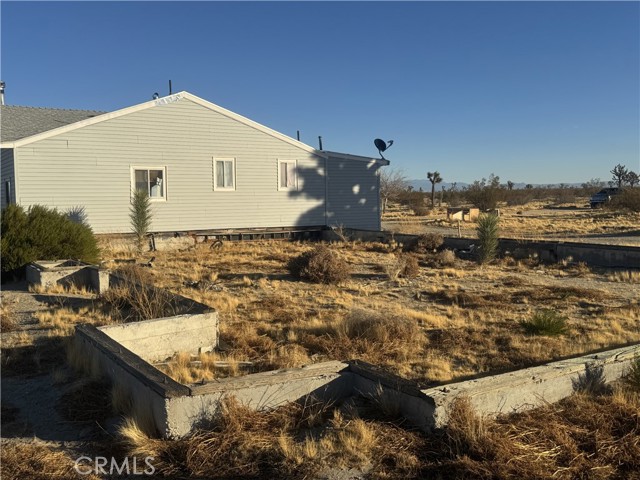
x,y
381,145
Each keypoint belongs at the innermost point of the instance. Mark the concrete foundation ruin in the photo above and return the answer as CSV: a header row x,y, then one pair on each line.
x,y
125,353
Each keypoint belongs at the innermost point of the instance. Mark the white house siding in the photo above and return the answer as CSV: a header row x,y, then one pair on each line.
x,y
8,175
91,167
353,198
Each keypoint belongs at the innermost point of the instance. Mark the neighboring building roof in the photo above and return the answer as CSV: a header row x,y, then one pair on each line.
x,y
21,122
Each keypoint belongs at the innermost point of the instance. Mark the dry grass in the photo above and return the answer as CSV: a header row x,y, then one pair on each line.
x,y
580,437
626,276
37,461
536,220
583,436
466,320
8,320
294,441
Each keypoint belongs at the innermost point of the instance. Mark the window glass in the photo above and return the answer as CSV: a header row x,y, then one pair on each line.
x,y
291,175
228,174
141,180
156,188
283,175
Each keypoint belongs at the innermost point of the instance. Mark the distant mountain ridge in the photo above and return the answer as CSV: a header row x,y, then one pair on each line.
x,y
426,185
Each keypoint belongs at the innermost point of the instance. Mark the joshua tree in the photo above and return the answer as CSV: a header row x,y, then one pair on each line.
x,y
510,185
434,177
619,173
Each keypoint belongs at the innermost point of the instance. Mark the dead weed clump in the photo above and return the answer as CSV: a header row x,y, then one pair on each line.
x,y
403,265
8,321
136,298
580,437
425,243
319,265
38,461
298,440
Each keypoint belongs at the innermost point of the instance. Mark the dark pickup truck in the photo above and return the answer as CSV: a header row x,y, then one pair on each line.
x,y
603,196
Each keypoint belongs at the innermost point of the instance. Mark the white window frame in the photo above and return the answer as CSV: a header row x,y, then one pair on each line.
x,y
280,187
215,174
164,180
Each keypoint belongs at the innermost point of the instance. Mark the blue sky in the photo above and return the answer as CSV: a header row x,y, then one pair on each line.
x,y
535,92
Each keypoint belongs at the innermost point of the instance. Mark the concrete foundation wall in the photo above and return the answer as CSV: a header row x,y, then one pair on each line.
x,y
527,388
259,391
614,256
156,340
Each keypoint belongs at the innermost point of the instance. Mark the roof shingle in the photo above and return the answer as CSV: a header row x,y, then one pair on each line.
x,y
20,122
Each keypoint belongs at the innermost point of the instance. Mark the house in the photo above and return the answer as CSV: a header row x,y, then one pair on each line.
x,y
204,167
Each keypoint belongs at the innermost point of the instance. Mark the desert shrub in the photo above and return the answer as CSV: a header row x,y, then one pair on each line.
x,y
41,233
546,322
627,200
592,381
446,257
632,376
565,195
402,265
319,265
425,243
420,210
485,194
488,229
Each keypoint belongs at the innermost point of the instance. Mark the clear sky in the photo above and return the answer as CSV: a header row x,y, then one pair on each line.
x,y
535,92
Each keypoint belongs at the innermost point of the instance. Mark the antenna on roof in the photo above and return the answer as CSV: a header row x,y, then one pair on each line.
x,y
381,145
156,96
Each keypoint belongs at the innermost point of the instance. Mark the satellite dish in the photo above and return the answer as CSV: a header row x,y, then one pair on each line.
x,y
381,145
156,96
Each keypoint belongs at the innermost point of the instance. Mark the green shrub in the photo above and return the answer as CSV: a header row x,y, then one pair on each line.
x,y
488,231
43,234
627,200
319,265
546,322
140,215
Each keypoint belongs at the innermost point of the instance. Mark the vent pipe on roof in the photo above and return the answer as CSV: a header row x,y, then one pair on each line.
x,y
1,93
170,90
320,142
298,134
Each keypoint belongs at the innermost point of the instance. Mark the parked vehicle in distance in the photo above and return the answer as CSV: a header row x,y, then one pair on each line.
x,y
603,196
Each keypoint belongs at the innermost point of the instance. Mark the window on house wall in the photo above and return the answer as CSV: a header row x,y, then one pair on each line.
x,y
152,181
224,174
287,175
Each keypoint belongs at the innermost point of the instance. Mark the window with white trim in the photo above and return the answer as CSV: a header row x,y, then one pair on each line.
x,y
224,174
287,175
151,180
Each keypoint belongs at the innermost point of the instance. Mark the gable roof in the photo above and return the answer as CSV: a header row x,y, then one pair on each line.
x,y
25,125
150,104
21,122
